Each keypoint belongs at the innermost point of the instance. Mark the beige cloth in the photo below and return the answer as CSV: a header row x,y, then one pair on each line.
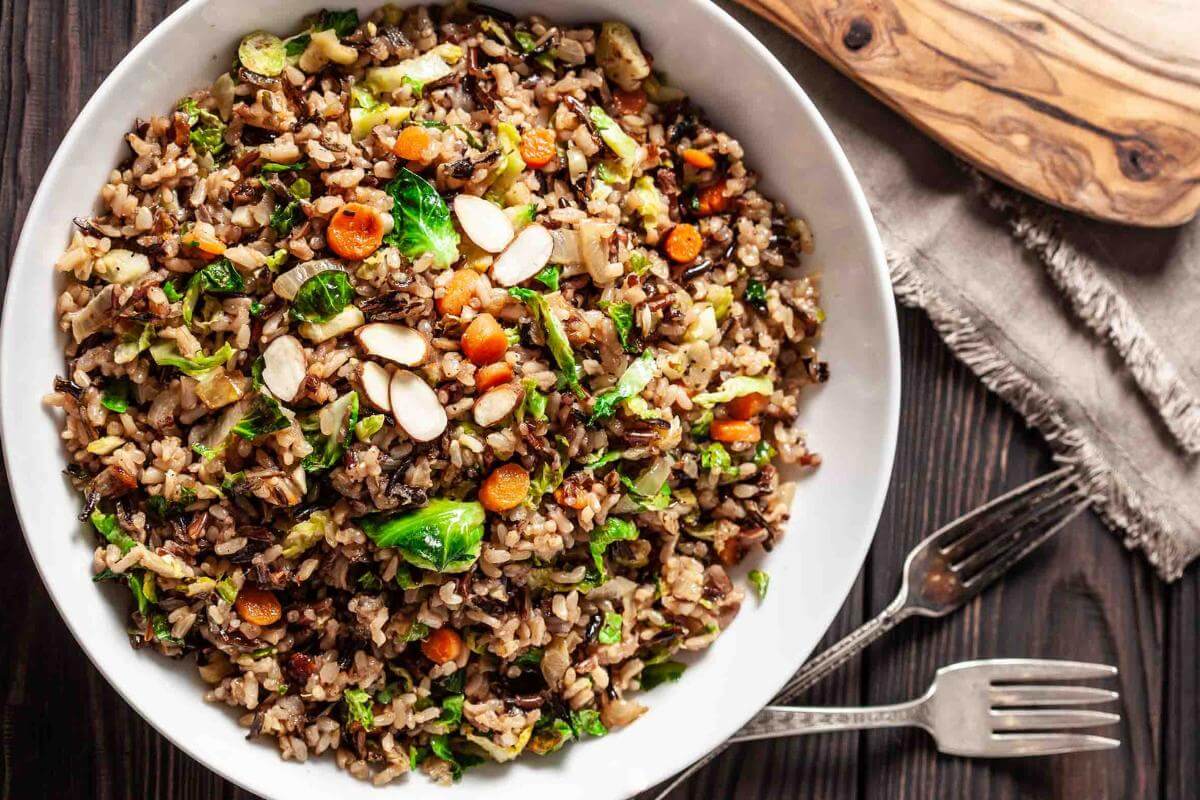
x,y
1087,329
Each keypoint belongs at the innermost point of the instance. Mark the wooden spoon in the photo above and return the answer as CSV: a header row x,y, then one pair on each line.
x,y
1097,114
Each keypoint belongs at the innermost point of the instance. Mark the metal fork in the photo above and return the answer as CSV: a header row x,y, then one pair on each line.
x,y
997,708
948,568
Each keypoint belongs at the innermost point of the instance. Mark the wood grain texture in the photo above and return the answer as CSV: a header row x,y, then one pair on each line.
x,y
65,733
1080,108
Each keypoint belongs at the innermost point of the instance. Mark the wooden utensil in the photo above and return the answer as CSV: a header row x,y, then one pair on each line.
x,y
1096,112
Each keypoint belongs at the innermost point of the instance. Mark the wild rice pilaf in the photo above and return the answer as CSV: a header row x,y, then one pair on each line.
x,y
425,374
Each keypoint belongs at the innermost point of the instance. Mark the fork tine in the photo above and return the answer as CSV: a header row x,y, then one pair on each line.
x,y
1043,514
1006,745
1051,720
1027,543
998,508
1016,514
1002,696
1042,669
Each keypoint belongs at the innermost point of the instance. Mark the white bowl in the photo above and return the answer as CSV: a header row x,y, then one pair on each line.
x,y
852,420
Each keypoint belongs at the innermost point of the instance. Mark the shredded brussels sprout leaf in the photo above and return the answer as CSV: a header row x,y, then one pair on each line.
x,y
658,674
760,580
735,387
423,223
556,337
166,354
444,536
265,416
322,297
358,708
635,378
614,529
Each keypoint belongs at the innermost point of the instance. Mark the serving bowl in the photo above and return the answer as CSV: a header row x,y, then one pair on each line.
x,y
851,420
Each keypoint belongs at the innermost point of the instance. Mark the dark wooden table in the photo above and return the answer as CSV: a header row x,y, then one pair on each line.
x,y
65,733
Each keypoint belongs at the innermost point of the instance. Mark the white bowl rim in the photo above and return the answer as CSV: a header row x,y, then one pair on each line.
x,y
130,61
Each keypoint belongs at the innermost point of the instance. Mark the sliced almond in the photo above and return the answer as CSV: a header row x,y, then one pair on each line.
x,y
284,367
524,258
495,405
375,383
484,222
415,406
398,343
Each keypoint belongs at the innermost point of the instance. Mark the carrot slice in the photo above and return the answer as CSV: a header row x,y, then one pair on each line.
x,y
442,646
484,340
258,606
698,158
683,243
412,143
629,102
355,231
734,430
538,148
210,248
713,200
748,406
492,375
459,291
506,488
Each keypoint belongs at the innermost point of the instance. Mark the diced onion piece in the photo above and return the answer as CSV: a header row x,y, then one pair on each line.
x,y
287,284
223,92
217,389
651,481
577,165
122,266
415,406
524,258
484,222
323,47
228,419
704,326
95,315
346,320
105,445
425,68
594,236
284,367
375,383
393,342
495,405
566,246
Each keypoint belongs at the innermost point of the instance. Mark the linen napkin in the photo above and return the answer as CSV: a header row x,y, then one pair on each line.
x,y
1087,329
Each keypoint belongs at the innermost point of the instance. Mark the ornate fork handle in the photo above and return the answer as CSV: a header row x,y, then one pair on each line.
x,y
789,721
845,649
816,669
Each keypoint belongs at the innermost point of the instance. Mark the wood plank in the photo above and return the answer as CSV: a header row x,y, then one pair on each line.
x,y
1181,703
1063,105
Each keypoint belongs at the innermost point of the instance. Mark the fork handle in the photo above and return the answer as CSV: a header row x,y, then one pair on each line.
x,y
830,660
775,721
811,673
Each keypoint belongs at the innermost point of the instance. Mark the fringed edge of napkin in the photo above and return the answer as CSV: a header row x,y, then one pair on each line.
x,y
1100,306
1119,506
